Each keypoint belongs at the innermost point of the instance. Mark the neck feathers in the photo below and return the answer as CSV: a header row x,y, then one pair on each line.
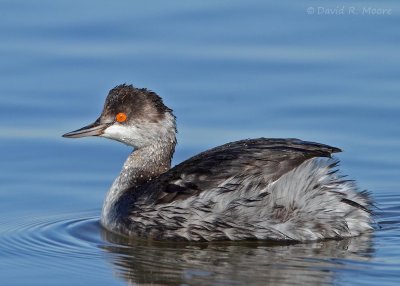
x,y
142,166
146,164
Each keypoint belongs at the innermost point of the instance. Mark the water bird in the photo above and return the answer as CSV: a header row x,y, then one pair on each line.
x,y
253,189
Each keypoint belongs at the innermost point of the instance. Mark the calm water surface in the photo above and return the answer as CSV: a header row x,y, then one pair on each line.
x,y
230,70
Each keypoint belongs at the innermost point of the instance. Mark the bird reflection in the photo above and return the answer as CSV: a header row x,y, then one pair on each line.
x,y
233,263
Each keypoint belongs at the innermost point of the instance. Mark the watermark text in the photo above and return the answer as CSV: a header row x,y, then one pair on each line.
x,y
348,10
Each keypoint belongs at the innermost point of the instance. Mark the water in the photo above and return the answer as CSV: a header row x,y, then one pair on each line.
x,y
230,70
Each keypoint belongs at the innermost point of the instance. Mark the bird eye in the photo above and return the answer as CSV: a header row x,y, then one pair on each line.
x,y
121,117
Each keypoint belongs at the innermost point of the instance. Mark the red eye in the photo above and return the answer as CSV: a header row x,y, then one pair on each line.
x,y
121,117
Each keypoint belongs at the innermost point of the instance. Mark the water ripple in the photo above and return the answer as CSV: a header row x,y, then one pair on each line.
x,y
67,235
79,236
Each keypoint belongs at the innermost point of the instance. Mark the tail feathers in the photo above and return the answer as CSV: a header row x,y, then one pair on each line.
x,y
326,206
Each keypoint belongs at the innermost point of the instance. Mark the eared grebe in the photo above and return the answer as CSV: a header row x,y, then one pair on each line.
x,y
271,189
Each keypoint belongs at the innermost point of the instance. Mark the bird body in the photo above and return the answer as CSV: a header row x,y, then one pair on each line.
x,y
255,189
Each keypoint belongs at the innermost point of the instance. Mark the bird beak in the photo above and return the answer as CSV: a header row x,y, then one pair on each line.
x,y
94,129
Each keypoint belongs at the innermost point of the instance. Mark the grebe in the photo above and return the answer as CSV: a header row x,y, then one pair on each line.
x,y
264,189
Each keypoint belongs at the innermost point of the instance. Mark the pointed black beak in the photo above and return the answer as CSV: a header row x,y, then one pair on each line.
x,y
94,129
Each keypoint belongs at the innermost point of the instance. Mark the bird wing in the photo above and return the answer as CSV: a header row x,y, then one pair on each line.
x,y
253,163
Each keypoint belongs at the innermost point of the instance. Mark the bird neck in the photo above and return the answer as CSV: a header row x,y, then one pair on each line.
x,y
142,165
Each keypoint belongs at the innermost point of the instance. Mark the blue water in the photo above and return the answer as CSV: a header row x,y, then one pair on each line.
x,y
230,70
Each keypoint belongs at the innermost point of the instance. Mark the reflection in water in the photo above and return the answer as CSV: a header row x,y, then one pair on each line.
x,y
233,263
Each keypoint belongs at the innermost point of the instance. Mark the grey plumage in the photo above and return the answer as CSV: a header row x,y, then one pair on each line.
x,y
275,189
250,189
